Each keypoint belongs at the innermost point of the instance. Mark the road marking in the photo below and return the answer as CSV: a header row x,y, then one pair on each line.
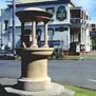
x,y
93,80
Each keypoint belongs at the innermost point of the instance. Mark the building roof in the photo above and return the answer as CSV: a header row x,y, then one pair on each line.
x,y
32,1
41,2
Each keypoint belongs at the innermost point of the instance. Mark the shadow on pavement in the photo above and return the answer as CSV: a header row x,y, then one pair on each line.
x,y
4,93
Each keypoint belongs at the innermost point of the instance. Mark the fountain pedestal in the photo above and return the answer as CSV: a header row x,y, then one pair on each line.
x,y
34,79
34,69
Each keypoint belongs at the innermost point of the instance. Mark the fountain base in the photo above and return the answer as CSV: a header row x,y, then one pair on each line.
x,y
32,85
55,90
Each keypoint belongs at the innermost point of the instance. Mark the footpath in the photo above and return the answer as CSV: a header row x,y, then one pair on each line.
x,y
83,56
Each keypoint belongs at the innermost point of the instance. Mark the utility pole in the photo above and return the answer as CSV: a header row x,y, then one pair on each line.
x,y
13,28
13,25
1,28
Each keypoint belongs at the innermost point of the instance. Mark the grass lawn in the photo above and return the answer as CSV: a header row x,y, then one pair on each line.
x,y
90,57
81,91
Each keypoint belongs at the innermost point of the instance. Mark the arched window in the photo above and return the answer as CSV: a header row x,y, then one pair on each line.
x,y
61,13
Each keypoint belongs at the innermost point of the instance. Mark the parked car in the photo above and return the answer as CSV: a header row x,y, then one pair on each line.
x,y
6,55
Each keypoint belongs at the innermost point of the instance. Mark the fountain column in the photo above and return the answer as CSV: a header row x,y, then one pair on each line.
x,y
46,35
34,34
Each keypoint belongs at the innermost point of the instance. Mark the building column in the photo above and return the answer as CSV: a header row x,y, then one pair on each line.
x,y
81,36
34,34
46,35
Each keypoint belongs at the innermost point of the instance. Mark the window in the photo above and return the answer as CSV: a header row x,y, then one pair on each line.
x,y
50,33
61,13
50,10
6,24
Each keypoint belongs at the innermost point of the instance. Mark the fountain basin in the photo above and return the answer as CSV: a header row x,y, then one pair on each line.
x,y
35,51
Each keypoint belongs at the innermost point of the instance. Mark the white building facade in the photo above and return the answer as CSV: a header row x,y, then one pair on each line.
x,y
59,26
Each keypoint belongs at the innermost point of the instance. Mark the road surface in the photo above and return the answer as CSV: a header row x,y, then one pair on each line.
x,y
75,72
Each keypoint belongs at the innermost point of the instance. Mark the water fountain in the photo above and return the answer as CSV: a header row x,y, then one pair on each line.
x,y
34,79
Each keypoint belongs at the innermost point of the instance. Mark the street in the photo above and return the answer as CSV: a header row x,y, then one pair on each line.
x,y
81,73
75,72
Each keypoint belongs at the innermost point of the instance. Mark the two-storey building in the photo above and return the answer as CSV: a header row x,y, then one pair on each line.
x,y
68,24
79,30
93,35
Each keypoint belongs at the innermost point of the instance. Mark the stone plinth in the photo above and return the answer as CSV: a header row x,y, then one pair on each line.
x,y
55,90
34,69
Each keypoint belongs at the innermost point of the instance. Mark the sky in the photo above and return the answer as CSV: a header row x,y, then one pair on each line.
x,y
89,5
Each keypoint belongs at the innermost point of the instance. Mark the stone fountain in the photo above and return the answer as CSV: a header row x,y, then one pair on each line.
x,y
34,79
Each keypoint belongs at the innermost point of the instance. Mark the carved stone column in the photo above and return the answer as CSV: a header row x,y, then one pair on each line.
x,y
34,34
46,35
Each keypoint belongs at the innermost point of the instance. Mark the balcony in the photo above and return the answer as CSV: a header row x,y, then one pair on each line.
x,y
76,22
